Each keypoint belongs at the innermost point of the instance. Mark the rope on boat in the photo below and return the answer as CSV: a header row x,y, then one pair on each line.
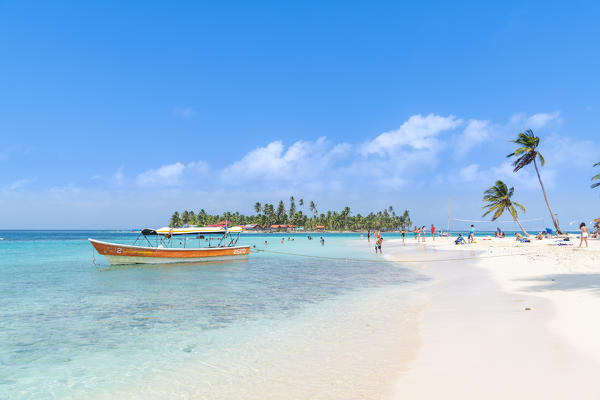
x,y
94,257
394,259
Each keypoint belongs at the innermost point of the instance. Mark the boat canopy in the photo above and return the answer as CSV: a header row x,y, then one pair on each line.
x,y
198,230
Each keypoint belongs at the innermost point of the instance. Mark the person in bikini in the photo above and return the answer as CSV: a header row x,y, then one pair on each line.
x,y
584,234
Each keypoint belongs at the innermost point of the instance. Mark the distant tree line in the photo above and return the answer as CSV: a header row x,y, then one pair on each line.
x,y
269,214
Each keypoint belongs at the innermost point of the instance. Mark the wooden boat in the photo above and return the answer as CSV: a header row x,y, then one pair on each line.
x,y
220,244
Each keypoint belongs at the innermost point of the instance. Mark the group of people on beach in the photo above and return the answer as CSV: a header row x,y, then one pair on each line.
x,y
583,237
470,238
420,233
378,240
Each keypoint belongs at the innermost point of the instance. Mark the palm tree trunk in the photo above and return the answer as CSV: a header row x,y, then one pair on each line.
x,y
556,225
521,226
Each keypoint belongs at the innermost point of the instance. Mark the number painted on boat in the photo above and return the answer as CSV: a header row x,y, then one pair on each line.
x,y
239,251
119,250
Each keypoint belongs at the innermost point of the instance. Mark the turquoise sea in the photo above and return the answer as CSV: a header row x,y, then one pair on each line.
x,y
72,329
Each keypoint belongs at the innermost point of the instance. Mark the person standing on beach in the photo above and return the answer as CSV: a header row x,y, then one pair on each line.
x,y
472,234
584,234
403,232
432,232
378,245
424,231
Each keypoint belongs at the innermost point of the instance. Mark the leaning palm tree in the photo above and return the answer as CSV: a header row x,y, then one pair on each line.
x,y
527,154
498,200
596,178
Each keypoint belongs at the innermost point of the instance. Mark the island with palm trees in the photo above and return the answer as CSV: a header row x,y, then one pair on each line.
x,y
268,216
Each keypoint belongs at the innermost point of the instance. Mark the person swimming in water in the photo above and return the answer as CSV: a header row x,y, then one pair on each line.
x,y
322,241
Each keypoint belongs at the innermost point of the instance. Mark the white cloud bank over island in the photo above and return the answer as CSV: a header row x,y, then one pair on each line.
x,y
428,157
390,161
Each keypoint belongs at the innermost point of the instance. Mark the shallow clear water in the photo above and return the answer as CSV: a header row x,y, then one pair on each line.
x,y
70,329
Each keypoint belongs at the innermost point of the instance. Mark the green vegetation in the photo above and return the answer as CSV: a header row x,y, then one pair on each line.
x,y
498,200
267,215
527,154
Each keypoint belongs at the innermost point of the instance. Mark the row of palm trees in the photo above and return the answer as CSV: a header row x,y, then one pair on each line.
x,y
269,214
498,198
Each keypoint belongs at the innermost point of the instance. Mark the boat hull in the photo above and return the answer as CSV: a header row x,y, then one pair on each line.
x,y
118,254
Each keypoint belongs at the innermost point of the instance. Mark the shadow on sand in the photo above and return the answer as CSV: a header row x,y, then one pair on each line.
x,y
566,282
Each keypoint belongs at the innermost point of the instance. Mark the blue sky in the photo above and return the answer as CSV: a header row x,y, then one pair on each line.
x,y
114,114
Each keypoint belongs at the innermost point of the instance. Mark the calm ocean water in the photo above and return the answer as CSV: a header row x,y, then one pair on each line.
x,y
71,329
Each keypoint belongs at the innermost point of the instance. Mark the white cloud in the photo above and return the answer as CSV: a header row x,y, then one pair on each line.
x,y
535,121
525,178
68,190
476,132
418,133
171,174
470,173
119,176
17,185
564,150
542,119
184,112
302,160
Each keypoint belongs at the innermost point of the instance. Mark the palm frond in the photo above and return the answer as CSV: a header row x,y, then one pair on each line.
x,y
595,178
541,157
520,206
492,207
524,160
498,199
498,213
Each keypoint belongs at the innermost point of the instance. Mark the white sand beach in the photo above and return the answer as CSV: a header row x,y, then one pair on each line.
x,y
518,321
